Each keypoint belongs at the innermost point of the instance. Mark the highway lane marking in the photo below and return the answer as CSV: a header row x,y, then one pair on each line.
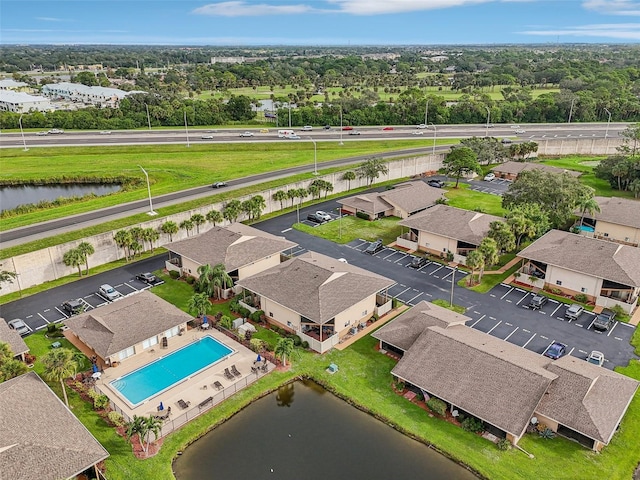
x,y
524,346
474,323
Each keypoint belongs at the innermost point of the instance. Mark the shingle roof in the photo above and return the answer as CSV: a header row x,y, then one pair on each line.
x,y
234,246
403,331
410,197
587,398
316,286
621,211
493,380
13,338
40,439
451,222
589,256
515,168
85,89
124,323
10,96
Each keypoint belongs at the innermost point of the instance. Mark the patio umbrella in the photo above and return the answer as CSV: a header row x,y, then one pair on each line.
x,y
205,320
95,368
259,359
96,375
160,407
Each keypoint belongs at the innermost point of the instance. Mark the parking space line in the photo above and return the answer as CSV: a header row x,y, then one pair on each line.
x,y
514,331
286,230
29,316
402,258
450,273
474,323
532,336
542,336
393,252
63,314
131,287
410,301
511,290
571,351
626,325
492,328
554,312
43,318
591,324
526,295
440,267
612,328
420,269
408,288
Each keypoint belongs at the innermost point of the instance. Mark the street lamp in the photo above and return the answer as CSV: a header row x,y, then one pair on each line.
x,y
341,143
453,281
426,113
606,132
289,113
186,129
486,131
148,117
24,142
571,110
151,212
339,222
315,156
435,133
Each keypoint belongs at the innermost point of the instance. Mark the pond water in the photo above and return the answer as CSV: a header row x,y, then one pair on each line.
x,y
304,432
11,197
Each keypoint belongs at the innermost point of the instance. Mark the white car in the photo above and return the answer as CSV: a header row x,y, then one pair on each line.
x,y
489,177
42,134
307,128
417,132
247,134
515,126
207,137
519,131
422,126
293,137
108,292
56,131
595,357
105,132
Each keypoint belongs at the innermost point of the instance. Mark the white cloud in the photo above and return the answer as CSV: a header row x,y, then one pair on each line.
x,y
51,19
613,7
244,9
378,7
620,31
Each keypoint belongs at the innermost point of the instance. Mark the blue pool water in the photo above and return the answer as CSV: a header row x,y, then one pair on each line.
x,y
156,377
587,228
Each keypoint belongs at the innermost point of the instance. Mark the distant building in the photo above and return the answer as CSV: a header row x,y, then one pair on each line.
x,y
20,102
227,60
11,84
76,92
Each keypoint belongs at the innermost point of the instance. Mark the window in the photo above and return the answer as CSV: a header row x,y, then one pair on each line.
x,y
583,290
364,313
605,234
126,353
149,342
170,333
289,324
558,282
271,314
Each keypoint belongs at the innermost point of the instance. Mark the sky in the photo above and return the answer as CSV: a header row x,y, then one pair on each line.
x,y
318,22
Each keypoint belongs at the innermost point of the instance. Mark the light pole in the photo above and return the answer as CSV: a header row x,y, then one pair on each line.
x,y
289,113
453,281
315,156
148,117
486,130
571,110
606,132
339,222
426,113
186,129
341,143
24,142
435,133
151,212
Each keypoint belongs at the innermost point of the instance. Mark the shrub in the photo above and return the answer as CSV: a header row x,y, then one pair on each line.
x,y
190,280
503,444
100,402
173,274
243,312
257,345
547,433
305,344
234,305
52,327
395,303
256,316
92,394
116,418
364,216
581,297
437,406
226,322
441,201
556,291
619,311
472,424
297,341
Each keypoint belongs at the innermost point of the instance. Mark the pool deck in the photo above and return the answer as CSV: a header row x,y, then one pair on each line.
x,y
194,389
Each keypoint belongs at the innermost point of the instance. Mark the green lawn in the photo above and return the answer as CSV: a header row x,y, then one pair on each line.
x,y
446,304
488,281
350,228
464,197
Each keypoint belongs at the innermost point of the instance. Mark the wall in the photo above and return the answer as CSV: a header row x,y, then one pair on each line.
x,y
259,266
353,315
281,314
435,244
573,282
617,233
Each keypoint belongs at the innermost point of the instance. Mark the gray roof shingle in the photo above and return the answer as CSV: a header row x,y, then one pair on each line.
x,y
124,323
316,286
40,439
13,338
410,197
590,256
515,168
621,211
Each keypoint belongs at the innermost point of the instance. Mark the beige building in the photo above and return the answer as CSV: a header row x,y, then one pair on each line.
x,y
319,298
127,327
504,385
13,339
40,439
404,200
441,230
607,273
243,250
510,170
617,221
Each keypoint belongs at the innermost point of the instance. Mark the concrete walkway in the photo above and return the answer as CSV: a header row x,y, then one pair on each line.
x,y
635,318
381,321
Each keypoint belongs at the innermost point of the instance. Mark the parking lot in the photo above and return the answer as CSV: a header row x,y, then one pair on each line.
x,y
494,187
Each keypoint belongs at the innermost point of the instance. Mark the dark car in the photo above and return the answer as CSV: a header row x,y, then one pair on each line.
x,y
73,307
555,350
327,127
537,302
319,217
604,320
375,247
148,278
418,262
219,185
435,183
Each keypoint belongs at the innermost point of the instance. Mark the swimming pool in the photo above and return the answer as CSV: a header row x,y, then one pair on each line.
x,y
156,377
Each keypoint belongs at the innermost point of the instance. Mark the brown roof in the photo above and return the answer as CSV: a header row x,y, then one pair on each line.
x,y
621,211
124,323
515,168
403,331
409,197
465,225
589,256
13,338
40,439
587,398
234,246
494,380
316,286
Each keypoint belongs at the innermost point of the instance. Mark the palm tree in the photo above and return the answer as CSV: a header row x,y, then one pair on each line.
x,y
137,426
232,211
86,249
292,194
284,348
137,233
280,196
124,239
153,425
214,216
220,279
521,226
187,225
634,187
258,204
348,176
199,303
245,207
136,248
205,279
6,276
475,261
169,228
198,219
587,205
59,364
301,193
488,248
150,235
73,258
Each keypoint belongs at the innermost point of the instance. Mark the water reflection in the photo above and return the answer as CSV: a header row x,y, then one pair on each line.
x,y
11,197
284,395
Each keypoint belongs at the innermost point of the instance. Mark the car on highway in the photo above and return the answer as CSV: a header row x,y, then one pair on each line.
x,y
418,262
56,131
555,350
436,183
375,247
347,127
307,128
537,302
219,185
148,278
490,177
387,128
354,132
515,126
246,134
107,292
42,134
604,320
520,131
422,126
19,326
264,130
327,127
319,217
596,357
105,132
417,132
207,137
73,307
505,141
573,312
294,137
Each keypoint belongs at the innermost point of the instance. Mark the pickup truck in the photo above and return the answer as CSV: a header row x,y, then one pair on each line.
x,y
604,320
573,312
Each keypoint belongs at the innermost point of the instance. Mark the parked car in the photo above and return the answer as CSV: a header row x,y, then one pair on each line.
x,y
19,326
354,132
108,292
505,141
56,131
375,247
436,183
417,132
319,217
207,137
418,262
387,128
307,128
604,320
73,307
596,357
347,127
489,177
574,311
219,185
537,302
422,126
555,350
148,278
246,134
42,134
